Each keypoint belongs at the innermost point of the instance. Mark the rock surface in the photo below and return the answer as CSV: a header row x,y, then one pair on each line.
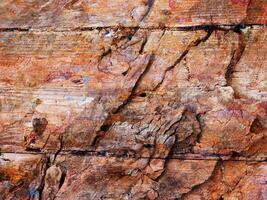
x,y
133,99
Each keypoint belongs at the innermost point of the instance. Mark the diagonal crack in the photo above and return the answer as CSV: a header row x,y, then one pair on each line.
x,y
60,147
137,83
182,56
106,124
41,186
236,56
61,182
150,4
143,45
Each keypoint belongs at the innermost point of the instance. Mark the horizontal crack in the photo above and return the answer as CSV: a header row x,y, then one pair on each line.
x,y
15,29
179,28
108,154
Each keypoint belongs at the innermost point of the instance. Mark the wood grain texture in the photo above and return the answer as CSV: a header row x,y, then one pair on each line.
x,y
79,14
80,177
133,99
96,92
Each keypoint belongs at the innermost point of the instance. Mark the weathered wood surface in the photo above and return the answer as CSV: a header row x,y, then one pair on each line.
x,y
82,84
133,99
81,177
75,14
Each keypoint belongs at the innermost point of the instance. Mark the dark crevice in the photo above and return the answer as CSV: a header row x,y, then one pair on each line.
x,y
256,126
62,180
40,188
201,124
181,28
106,124
236,56
60,148
33,149
230,69
149,146
238,28
235,154
105,127
205,27
224,27
136,85
130,37
150,4
143,45
14,29
143,94
106,53
179,156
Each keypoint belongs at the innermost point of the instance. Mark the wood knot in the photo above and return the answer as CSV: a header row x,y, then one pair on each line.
x,y
39,126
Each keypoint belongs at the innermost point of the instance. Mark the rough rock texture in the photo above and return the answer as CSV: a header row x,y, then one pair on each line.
x,y
136,99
